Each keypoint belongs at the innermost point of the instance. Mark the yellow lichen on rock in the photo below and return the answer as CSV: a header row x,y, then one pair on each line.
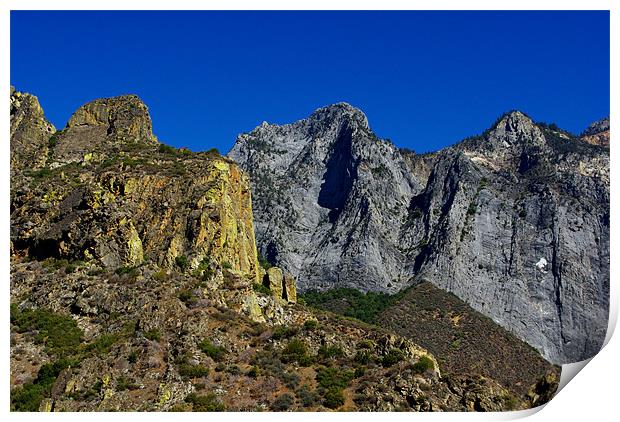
x,y
275,280
134,247
46,405
228,202
164,394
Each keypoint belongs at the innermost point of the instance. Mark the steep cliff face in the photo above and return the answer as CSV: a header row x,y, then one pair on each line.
x,y
95,200
515,221
30,132
330,198
523,234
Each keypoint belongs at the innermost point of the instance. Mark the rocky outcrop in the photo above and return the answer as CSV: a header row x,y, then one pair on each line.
x,y
274,281
597,133
187,210
290,288
282,285
30,132
514,221
102,128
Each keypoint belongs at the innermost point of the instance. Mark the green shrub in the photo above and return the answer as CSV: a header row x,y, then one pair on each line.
x,y
305,360
510,401
216,353
392,357
133,356
207,273
94,390
308,398
193,371
160,275
423,364
362,357
178,168
54,264
329,352
208,403
261,288
263,262
254,372
365,344
290,379
334,398
53,140
71,267
351,303
456,344
333,377
283,331
130,328
294,350
283,402
204,271
123,384
154,335
181,262
59,333
311,324
167,149
43,173
28,397
233,370
227,265
131,272
103,344
188,297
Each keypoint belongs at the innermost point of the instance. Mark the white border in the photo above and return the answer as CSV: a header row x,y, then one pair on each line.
x,y
592,395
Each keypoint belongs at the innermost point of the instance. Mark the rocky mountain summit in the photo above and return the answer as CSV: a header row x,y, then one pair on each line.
x,y
136,285
514,221
30,132
323,209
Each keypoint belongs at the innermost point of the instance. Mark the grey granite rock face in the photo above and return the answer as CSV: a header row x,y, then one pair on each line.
x,y
515,221
523,234
329,199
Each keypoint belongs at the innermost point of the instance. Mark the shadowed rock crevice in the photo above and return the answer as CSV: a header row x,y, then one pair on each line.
x,y
340,173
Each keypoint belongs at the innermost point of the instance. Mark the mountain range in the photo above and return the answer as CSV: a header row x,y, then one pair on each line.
x,y
401,281
515,221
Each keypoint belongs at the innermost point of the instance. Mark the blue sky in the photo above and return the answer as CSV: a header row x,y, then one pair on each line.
x,y
424,79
